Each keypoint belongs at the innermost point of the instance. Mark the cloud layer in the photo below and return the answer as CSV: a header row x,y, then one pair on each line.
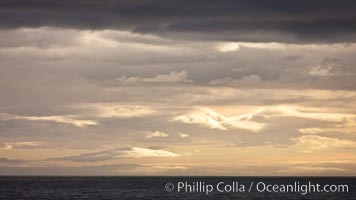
x,y
157,87
243,20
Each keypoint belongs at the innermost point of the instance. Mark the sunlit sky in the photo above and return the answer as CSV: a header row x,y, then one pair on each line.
x,y
144,91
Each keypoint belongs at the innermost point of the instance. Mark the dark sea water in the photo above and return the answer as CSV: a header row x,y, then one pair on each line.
x,y
101,188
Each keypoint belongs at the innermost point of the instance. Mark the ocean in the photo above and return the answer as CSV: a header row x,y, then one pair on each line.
x,y
102,188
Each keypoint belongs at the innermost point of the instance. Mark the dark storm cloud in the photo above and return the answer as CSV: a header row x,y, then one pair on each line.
x,y
246,20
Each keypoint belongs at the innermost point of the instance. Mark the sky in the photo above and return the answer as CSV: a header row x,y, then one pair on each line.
x,y
178,87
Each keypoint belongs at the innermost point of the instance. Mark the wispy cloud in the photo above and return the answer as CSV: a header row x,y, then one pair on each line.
x,y
65,119
172,77
117,110
305,112
11,161
244,81
214,120
21,145
315,142
156,134
131,152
